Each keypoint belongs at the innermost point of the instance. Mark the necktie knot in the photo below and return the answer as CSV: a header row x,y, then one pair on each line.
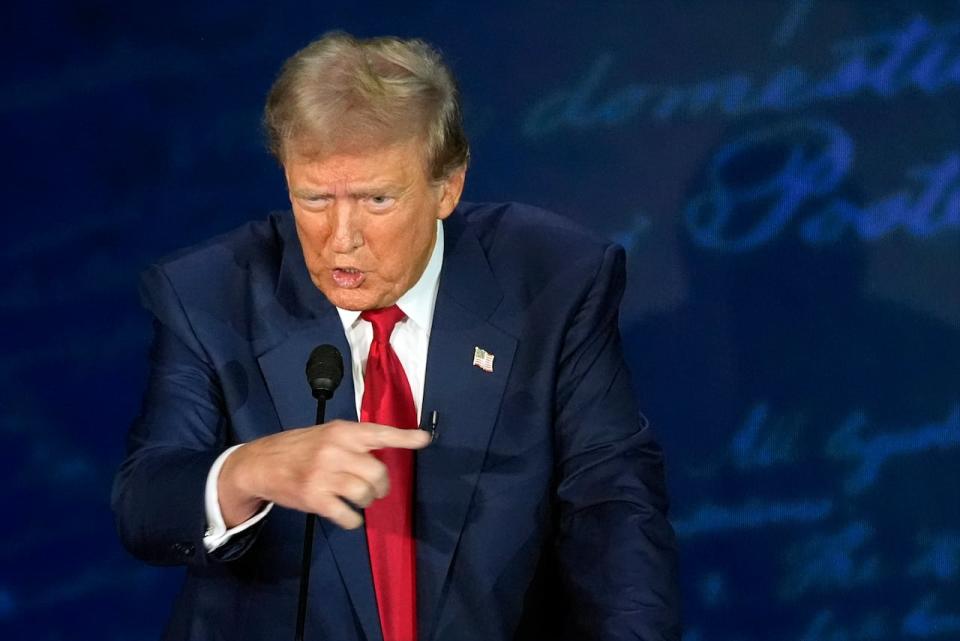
x,y
383,321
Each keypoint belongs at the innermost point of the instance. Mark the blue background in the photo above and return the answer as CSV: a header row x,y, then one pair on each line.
x,y
784,175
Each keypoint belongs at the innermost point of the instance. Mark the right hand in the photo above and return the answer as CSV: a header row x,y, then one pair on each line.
x,y
312,469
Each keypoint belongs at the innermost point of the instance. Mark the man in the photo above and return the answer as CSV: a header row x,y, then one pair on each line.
x,y
538,512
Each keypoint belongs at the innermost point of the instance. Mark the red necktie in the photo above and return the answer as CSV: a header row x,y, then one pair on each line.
x,y
389,521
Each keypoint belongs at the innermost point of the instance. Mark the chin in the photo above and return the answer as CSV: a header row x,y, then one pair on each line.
x,y
357,300
354,306
354,303
352,299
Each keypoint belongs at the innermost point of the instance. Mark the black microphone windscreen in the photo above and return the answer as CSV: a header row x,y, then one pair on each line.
x,y
324,370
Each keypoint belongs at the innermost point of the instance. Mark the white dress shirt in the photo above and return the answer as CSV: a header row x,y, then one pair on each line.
x,y
409,340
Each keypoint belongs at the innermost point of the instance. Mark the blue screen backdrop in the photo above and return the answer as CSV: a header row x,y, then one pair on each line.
x,y
785,176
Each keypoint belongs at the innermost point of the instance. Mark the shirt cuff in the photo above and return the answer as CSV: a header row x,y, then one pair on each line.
x,y
217,533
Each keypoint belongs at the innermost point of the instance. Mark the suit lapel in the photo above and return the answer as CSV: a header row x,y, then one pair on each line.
x,y
467,400
297,319
283,367
300,320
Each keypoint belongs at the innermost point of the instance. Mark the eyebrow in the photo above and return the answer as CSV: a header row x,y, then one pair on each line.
x,y
363,192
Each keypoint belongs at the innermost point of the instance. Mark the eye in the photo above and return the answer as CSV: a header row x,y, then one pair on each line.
x,y
314,201
380,202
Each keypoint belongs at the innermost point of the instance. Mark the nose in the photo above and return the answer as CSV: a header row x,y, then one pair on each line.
x,y
346,235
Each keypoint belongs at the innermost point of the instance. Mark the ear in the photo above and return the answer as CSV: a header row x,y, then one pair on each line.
x,y
286,180
452,187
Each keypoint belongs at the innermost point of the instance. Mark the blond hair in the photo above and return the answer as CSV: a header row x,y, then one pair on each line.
x,y
342,93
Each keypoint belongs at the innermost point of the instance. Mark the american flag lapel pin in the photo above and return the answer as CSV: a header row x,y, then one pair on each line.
x,y
483,359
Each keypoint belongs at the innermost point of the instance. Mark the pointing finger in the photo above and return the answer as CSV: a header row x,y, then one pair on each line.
x,y
374,437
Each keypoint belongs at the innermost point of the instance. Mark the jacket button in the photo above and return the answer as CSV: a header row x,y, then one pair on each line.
x,y
183,549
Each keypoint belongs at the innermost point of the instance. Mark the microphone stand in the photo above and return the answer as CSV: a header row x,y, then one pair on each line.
x,y
308,546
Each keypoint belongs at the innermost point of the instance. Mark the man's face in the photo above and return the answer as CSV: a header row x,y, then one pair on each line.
x,y
367,221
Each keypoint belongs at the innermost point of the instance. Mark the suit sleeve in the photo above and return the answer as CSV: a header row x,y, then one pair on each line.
x,y
616,548
158,493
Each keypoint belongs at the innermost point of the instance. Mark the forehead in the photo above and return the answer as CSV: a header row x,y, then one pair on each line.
x,y
382,164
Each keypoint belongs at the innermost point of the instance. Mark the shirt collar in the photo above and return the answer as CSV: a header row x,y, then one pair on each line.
x,y
418,301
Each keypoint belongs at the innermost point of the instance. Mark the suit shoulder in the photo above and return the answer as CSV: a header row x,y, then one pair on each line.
x,y
543,264
250,243
254,247
516,233
223,279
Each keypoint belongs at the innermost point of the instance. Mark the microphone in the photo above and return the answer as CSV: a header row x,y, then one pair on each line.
x,y
324,373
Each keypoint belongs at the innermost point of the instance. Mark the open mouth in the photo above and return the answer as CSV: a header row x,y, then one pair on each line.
x,y
348,277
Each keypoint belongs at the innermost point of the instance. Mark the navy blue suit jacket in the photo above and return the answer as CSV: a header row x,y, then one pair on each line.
x,y
540,508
